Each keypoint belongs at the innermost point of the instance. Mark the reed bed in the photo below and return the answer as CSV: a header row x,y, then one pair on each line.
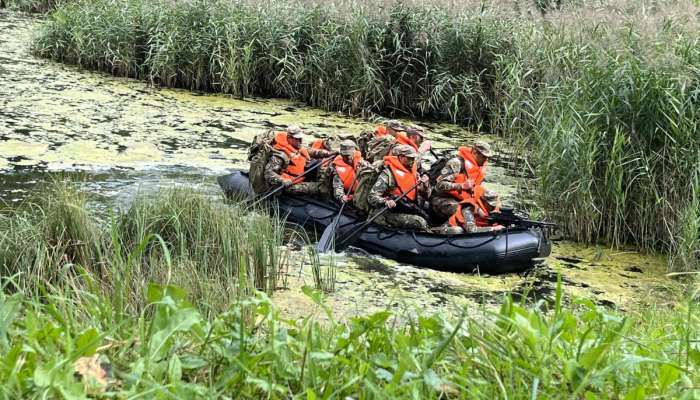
x,y
218,252
602,94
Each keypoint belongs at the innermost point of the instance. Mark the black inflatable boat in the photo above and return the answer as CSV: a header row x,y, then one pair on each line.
x,y
511,250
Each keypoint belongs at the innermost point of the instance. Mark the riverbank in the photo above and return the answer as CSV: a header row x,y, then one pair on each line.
x,y
110,309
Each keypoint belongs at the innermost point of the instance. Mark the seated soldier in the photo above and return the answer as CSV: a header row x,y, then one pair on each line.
x,y
414,136
323,143
399,177
289,160
344,169
459,195
376,146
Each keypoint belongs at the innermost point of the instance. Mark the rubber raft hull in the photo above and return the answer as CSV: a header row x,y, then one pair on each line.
x,y
514,250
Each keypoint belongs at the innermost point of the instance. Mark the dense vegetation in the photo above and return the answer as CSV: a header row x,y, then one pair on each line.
x,y
37,6
608,111
97,307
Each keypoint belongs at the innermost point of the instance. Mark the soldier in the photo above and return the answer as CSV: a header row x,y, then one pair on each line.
x,y
399,177
376,144
289,160
344,171
323,143
459,195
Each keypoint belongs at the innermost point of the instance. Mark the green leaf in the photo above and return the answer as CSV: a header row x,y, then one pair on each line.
x,y
87,342
310,395
637,393
590,358
321,355
192,362
42,376
174,369
668,374
313,294
694,356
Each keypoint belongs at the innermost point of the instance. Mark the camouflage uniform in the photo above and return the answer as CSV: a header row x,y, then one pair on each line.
x,y
347,148
444,205
385,183
279,161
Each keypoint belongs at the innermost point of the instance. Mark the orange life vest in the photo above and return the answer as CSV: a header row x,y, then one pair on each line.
x,y
402,138
347,172
297,158
475,196
380,131
405,178
319,144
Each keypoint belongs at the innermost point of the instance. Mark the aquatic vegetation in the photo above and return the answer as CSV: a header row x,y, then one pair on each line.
x,y
219,252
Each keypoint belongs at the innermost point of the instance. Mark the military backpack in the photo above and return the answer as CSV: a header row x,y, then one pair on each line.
x,y
258,156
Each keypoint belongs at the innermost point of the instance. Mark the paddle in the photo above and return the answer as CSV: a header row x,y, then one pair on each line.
x,y
350,238
294,182
324,243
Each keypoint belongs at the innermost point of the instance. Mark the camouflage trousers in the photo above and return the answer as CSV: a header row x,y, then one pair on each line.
x,y
443,207
405,221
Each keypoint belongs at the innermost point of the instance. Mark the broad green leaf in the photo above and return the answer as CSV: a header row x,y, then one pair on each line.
x,y
668,374
87,342
174,369
637,393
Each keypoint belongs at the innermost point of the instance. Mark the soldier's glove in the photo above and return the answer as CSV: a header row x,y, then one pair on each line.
x,y
390,203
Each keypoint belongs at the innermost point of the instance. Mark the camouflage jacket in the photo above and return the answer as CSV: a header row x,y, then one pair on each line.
x,y
385,183
448,174
279,161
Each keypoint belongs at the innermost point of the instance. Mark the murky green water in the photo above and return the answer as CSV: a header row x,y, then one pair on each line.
x,y
119,136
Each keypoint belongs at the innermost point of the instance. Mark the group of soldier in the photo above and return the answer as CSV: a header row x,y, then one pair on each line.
x,y
456,199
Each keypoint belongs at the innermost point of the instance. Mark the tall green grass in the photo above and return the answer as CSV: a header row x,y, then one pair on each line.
x,y
218,252
170,350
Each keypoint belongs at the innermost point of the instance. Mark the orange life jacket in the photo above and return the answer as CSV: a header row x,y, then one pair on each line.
x,y
347,172
405,178
319,144
475,196
402,138
297,158
380,130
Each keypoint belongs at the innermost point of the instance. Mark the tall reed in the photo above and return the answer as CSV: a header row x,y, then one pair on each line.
x,y
219,252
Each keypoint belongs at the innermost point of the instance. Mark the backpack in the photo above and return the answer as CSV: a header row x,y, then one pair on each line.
x,y
259,155
379,147
363,141
325,180
366,178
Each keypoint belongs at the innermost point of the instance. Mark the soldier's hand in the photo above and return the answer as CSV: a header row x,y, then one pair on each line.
x,y
424,179
468,185
287,183
425,146
345,198
497,228
390,203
